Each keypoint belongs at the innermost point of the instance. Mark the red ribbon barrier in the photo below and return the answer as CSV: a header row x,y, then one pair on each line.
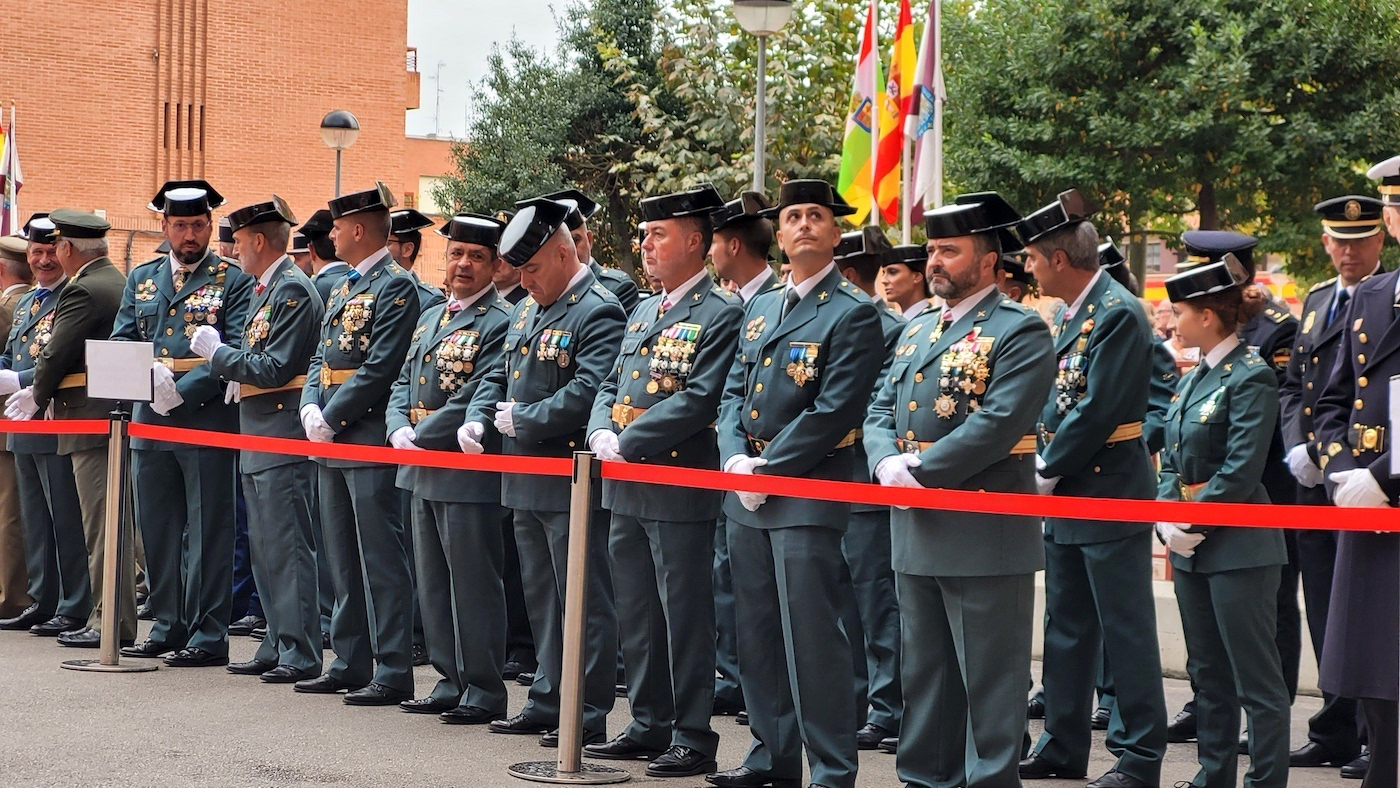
x,y
1021,504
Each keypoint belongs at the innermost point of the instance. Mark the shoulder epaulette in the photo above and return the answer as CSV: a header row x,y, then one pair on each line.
x,y
1322,284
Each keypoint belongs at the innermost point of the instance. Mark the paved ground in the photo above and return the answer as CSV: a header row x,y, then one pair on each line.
x,y
208,728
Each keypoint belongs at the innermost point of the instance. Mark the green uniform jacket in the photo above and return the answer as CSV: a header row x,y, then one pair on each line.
x,y
973,432
893,325
1218,433
619,284
428,296
451,354
1159,397
327,279
284,324
216,293
367,328
30,332
1104,357
556,358
673,366
802,384
85,309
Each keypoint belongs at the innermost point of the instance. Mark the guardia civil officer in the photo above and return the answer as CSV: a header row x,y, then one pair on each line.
x,y
405,243
583,209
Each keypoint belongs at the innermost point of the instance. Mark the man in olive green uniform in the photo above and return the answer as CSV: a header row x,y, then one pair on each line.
x,y
365,336
184,494
53,526
562,342
958,411
798,389
405,242
1098,575
84,309
872,618
583,209
327,269
266,377
658,406
456,514
1164,374
16,604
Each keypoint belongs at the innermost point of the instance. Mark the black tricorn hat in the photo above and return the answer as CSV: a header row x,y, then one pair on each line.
x,y
39,229
274,210
747,207
530,229
408,221
970,214
1206,279
912,255
1069,208
809,192
186,198
700,201
320,223
377,199
473,228
868,241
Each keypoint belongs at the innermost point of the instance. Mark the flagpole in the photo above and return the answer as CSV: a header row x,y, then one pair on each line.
x,y
938,111
906,174
875,120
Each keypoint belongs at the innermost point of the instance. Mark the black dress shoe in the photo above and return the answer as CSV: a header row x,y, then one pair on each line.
x,y
742,718
195,658
518,724
890,745
525,678
620,690
1099,719
375,694
258,633
726,708
1314,754
512,668
1182,728
325,685
681,762
145,613
551,739
744,777
870,735
149,649
57,626
244,627
27,618
1357,769
325,641
286,674
87,637
429,705
469,715
250,668
1038,768
1116,779
420,656
1035,709
622,748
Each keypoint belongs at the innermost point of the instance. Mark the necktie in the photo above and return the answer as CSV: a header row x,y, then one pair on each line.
x,y
1339,307
179,279
790,300
41,294
353,276
259,289
943,323
1185,394
455,306
665,307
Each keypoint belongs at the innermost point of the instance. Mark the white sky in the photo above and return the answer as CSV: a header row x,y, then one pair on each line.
x,y
458,34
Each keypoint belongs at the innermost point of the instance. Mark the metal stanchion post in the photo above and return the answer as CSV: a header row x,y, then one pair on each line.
x,y
116,565
570,767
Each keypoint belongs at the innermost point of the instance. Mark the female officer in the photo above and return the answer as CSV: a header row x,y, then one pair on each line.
x,y
1217,439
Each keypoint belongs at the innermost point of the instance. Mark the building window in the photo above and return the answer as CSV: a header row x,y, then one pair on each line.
x,y
1154,256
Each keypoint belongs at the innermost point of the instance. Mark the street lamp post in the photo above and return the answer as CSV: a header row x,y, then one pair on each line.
x,y
339,130
762,18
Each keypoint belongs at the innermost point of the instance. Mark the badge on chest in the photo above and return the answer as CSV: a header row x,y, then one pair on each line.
x,y
554,345
802,361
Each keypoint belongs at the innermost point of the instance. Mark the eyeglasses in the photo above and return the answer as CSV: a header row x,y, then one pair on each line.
x,y
190,227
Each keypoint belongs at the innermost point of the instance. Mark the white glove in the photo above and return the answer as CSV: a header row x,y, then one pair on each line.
x,y
234,392
9,381
166,400
469,437
162,379
505,418
893,471
1358,489
1178,540
206,342
21,406
1302,467
604,444
745,466
314,423
403,438
1043,485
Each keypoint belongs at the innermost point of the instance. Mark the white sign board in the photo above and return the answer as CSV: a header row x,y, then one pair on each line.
x,y
120,370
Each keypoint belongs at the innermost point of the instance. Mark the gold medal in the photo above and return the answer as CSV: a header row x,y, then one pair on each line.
x,y
466,367
945,406
456,366
653,387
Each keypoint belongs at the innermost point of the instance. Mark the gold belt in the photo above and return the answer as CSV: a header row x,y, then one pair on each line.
x,y
75,381
1366,438
247,390
416,415
757,446
1123,432
1026,445
622,415
180,364
335,377
1190,491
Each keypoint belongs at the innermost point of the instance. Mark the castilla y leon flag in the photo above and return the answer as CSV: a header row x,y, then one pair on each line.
x,y
856,182
10,179
895,103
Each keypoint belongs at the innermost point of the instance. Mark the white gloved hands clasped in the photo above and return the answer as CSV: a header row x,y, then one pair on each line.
x,y
1178,540
469,437
165,397
893,471
404,438
745,466
1043,485
604,444
1358,489
1302,467
313,422
206,342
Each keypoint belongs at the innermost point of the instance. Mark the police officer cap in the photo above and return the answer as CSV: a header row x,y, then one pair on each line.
x,y
1388,173
531,229
186,198
408,221
274,210
377,199
809,192
78,224
970,214
699,202
1210,246
320,223
1207,279
13,247
747,207
39,229
1069,209
1350,217
473,228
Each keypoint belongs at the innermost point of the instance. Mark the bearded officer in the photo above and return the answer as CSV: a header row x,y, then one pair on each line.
x,y
658,407
185,494
562,342
266,377
456,514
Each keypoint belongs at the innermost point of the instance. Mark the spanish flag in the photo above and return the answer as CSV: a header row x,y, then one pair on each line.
x,y
857,180
896,101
